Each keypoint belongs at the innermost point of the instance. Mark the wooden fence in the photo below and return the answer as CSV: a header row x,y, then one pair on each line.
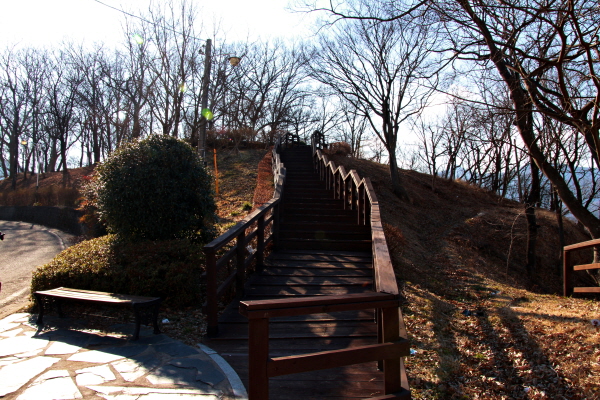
x,y
358,195
568,269
262,225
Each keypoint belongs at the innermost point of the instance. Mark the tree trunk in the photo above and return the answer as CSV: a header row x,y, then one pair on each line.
x,y
397,186
531,202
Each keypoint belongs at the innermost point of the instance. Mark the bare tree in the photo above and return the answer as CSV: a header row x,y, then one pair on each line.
x,y
386,71
546,54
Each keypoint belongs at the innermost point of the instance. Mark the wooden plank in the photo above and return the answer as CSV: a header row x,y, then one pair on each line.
x,y
584,267
401,395
351,300
309,307
583,245
258,347
586,289
311,280
90,295
319,272
336,358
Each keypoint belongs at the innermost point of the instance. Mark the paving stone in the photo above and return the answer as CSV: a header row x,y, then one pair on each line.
x,y
55,384
11,333
20,344
171,375
132,369
126,351
155,339
206,371
95,356
29,354
176,349
62,348
20,317
7,327
97,340
137,391
8,360
128,329
15,375
67,336
94,375
173,396
16,317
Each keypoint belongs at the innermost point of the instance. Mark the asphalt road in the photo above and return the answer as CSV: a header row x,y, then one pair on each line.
x,y
24,248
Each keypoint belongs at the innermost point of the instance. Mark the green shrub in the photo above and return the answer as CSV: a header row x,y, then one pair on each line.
x,y
156,189
169,269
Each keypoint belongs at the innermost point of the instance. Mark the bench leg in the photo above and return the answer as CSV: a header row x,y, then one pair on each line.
x,y
155,319
40,318
58,302
138,321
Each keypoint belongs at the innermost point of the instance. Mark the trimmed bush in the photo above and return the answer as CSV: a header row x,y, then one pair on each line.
x,y
170,269
155,189
339,149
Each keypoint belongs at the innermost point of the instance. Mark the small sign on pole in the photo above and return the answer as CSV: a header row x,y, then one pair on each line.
x,y
216,172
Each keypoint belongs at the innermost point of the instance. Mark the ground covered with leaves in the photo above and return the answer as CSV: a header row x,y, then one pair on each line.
x,y
479,326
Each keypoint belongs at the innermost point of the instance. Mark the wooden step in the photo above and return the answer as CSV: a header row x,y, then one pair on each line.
x,y
324,234
310,280
325,244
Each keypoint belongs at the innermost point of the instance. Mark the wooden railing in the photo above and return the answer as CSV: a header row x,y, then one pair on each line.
x,y
358,195
391,349
568,288
263,225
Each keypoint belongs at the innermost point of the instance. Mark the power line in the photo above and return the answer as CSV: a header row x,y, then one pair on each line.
x,y
145,20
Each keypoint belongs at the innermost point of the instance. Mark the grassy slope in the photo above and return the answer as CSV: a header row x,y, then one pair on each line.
x,y
459,248
451,252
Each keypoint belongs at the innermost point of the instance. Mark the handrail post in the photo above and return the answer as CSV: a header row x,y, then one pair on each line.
x,y
240,263
392,379
260,245
258,357
361,205
567,274
276,216
211,293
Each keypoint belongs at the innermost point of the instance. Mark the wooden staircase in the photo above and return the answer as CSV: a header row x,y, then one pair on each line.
x,y
312,218
321,251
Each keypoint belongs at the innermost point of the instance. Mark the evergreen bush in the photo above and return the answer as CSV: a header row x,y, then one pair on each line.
x,y
170,269
156,189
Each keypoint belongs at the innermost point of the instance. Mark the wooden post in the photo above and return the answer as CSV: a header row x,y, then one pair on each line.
x,y
361,204
567,274
211,293
392,380
240,263
260,245
258,357
276,214
216,172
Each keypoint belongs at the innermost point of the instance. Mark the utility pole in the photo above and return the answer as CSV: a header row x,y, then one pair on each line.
x,y
204,104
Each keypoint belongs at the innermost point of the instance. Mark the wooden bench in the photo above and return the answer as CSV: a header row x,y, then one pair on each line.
x,y
137,302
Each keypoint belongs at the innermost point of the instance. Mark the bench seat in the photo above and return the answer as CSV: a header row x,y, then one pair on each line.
x,y
138,303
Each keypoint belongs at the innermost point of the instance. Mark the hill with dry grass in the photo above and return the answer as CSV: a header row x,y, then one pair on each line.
x,y
479,326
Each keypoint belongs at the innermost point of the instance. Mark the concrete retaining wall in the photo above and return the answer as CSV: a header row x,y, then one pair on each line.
x,y
63,218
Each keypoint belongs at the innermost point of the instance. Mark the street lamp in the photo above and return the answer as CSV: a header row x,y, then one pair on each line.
x,y
206,113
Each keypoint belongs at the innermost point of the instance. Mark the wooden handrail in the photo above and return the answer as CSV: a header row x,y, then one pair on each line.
x,y
358,195
391,348
568,269
236,239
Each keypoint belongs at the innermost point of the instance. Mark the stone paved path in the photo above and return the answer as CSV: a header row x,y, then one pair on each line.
x,y
65,363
